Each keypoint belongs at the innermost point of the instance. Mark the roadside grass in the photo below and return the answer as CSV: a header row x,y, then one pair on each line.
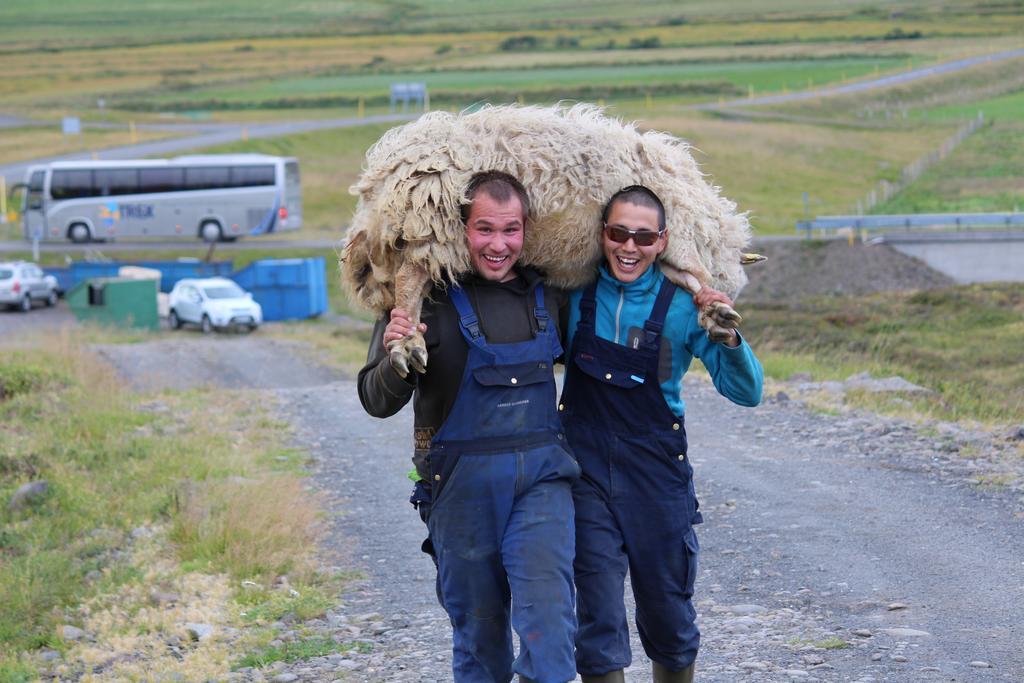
x,y
338,346
34,142
962,343
983,174
766,166
181,492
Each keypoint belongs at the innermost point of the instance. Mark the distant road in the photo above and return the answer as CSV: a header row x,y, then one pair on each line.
x,y
884,82
207,136
183,245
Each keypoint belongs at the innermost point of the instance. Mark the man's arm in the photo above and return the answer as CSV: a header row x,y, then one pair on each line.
x,y
735,371
381,390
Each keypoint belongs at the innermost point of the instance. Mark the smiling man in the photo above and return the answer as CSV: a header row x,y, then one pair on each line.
x,y
633,338
493,478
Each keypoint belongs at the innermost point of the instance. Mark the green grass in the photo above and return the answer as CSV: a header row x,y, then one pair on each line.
x,y
762,76
113,465
88,22
982,175
300,650
962,342
1004,108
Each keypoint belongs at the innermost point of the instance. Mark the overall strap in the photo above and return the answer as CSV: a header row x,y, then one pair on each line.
x,y
656,322
539,312
469,324
588,305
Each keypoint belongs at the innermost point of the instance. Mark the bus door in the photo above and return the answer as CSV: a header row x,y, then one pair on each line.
x,y
34,207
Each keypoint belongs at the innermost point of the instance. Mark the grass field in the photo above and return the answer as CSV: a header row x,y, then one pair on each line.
x,y
961,342
462,86
88,22
979,176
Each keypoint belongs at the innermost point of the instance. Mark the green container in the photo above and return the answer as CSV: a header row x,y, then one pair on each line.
x,y
116,301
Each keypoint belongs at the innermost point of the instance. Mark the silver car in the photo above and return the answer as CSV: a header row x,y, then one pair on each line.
x,y
22,283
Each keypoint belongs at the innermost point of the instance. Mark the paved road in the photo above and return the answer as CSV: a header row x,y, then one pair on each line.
x,y
872,84
210,135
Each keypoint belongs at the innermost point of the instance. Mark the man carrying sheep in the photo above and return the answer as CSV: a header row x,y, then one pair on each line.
x,y
495,477
633,337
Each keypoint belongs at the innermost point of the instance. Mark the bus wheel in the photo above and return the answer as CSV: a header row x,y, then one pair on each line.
x,y
210,231
79,233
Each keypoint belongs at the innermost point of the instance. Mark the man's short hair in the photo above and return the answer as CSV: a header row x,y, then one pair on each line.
x,y
500,187
637,195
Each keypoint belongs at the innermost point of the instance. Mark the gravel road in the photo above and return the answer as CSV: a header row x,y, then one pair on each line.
x,y
836,548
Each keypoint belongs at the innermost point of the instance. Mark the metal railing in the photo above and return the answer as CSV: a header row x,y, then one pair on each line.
x,y
925,221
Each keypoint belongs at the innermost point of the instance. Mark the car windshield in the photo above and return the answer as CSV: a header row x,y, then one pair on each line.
x,y
6,274
223,292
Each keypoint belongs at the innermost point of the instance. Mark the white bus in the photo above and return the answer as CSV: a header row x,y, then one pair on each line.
x,y
212,197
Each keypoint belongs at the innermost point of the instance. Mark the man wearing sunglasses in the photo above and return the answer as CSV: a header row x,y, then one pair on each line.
x,y
632,338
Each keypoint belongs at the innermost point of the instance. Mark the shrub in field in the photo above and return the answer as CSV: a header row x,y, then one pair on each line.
x,y
524,42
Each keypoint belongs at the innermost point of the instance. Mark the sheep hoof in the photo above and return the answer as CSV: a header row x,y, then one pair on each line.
x,y
724,315
398,362
718,334
418,359
406,353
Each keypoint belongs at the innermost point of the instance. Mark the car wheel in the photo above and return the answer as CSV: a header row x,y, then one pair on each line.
x,y
173,320
52,299
79,233
210,232
25,305
205,325
253,328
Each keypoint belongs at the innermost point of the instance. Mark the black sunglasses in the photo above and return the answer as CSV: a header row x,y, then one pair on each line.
x,y
642,238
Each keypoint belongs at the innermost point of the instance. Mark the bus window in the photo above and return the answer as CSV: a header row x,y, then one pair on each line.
x,y
252,176
71,184
161,180
116,181
206,177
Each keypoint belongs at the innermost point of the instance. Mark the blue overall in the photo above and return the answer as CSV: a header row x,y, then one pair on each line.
x,y
501,520
635,502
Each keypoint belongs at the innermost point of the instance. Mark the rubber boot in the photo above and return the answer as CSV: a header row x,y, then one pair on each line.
x,y
610,677
663,675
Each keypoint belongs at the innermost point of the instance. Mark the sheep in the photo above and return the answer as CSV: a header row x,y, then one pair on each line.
x,y
407,230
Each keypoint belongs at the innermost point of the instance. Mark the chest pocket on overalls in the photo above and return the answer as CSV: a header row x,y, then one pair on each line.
x,y
514,392
624,375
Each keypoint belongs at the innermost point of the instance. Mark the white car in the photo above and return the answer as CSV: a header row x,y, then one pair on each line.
x,y
212,303
22,282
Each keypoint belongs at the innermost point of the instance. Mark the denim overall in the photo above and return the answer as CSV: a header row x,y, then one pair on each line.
x,y
635,503
501,520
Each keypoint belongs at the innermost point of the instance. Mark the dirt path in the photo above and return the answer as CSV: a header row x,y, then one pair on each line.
x,y
844,548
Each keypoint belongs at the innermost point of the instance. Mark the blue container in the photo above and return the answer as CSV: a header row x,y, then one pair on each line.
x,y
170,271
287,289
65,279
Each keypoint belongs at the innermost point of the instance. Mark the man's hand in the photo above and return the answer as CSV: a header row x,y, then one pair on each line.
x,y
400,326
706,296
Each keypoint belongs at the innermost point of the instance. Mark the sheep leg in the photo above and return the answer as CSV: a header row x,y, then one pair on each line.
x,y
411,283
718,318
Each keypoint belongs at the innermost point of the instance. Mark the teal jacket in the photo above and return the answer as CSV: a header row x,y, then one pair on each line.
x,y
736,372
